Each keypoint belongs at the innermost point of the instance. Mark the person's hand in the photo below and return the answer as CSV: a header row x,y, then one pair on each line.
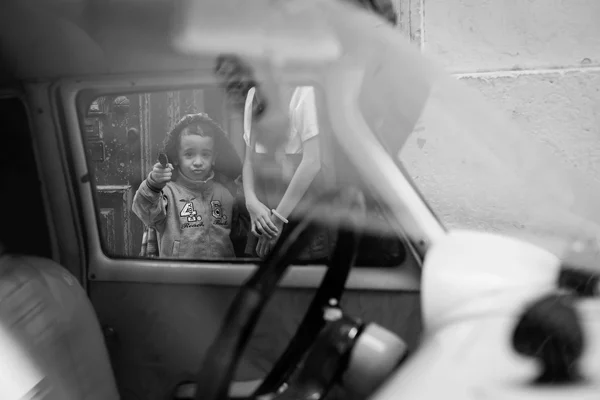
x,y
264,246
277,222
261,223
161,175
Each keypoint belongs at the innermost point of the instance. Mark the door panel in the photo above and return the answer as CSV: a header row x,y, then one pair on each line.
x,y
158,333
154,344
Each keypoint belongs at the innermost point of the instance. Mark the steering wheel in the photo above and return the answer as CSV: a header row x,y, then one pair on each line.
x,y
219,365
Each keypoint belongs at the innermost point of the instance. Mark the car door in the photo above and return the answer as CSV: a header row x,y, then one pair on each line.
x,y
160,316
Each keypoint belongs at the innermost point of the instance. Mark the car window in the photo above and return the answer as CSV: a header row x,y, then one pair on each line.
x,y
188,174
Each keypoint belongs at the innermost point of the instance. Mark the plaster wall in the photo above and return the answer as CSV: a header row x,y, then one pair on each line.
x,y
537,61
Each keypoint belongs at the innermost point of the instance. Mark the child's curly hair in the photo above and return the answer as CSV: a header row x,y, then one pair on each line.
x,y
204,126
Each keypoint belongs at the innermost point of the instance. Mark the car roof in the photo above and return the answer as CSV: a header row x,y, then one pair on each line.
x,y
46,40
51,39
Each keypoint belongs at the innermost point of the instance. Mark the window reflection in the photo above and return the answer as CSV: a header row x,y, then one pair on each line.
x,y
275,186
202,174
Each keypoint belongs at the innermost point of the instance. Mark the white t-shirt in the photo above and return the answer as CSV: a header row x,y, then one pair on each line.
x,y
303,119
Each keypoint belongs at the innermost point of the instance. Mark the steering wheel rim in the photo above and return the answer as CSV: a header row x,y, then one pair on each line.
x,y
223,356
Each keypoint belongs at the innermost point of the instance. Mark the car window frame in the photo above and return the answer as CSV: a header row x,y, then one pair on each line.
x,y
102,267
16,93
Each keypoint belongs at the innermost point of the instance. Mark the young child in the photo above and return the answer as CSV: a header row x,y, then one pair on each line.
x,y
189,205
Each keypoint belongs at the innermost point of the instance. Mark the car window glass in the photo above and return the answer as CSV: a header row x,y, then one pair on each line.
x,y
168,169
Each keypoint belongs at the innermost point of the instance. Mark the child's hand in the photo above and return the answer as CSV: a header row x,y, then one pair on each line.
x,y
277,222
161,175
264,246
260,217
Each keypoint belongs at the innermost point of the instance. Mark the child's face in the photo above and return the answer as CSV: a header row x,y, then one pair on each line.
x,y
196,156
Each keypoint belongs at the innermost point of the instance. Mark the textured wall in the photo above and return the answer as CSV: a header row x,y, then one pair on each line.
x,y
492,35
538,61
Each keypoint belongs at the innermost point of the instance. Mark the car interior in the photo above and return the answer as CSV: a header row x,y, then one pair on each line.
x,y
97,98
83,126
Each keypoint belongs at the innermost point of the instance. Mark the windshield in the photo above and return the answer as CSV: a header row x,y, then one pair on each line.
x,y
475,168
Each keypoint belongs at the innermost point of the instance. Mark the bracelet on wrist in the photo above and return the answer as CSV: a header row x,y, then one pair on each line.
x,y
275,213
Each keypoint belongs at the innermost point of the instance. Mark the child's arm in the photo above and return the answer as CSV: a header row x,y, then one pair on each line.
x,y
260,215
260,219
307,171
311,156
148,202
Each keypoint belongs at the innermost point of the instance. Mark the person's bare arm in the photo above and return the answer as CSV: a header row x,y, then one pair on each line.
x,y
307,171
260,215
248,177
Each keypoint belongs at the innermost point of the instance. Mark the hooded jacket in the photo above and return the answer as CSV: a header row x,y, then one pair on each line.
x,y
192,219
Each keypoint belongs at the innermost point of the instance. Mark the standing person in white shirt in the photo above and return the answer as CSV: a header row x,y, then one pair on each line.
x,y
275,185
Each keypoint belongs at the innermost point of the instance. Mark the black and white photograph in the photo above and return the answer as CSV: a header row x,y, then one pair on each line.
x,y
300,200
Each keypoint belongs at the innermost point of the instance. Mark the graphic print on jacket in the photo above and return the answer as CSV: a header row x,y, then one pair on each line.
x,y
192,219
192,215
